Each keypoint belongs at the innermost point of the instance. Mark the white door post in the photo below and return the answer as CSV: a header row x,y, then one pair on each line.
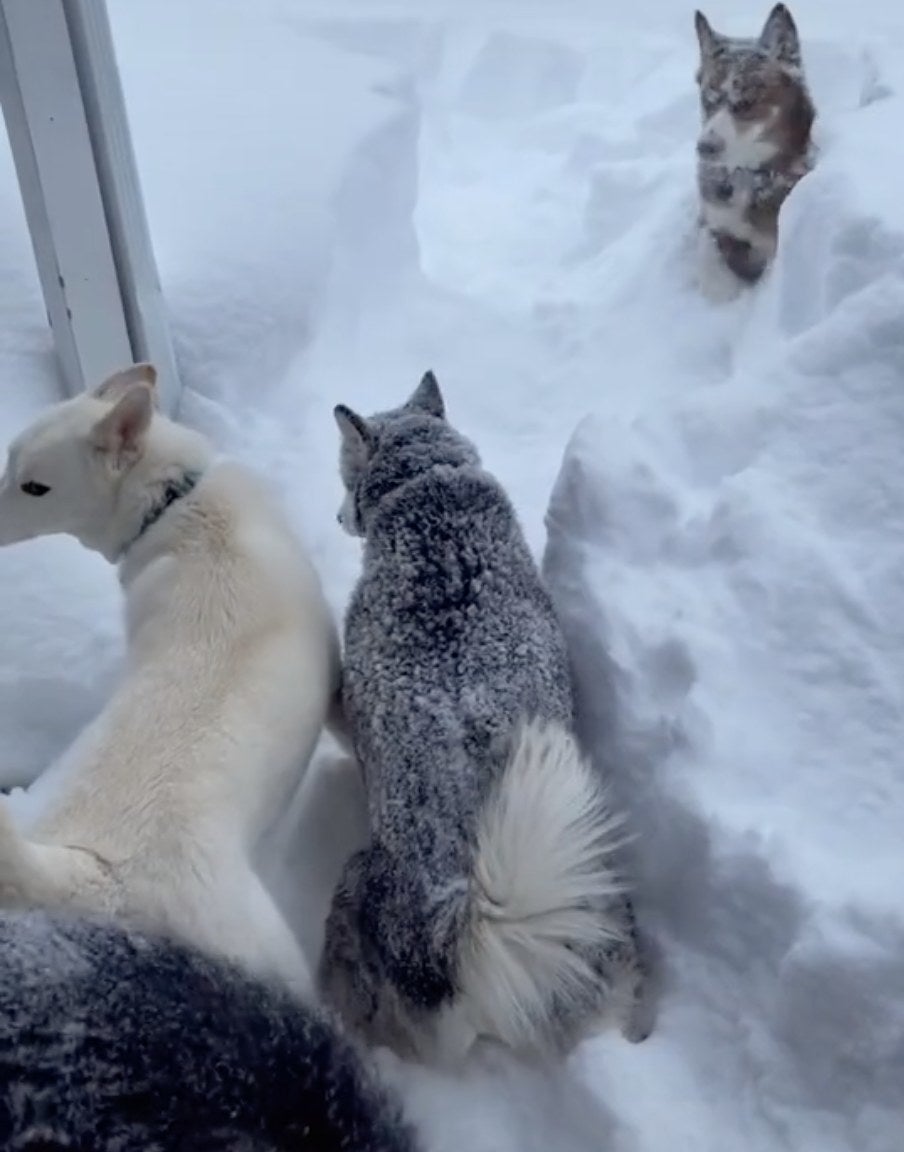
x,y
68,130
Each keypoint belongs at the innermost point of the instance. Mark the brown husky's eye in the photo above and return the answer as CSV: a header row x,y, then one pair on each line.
x,y
743,107
33,488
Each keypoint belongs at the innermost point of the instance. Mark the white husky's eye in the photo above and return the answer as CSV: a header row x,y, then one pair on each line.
x,y
33,488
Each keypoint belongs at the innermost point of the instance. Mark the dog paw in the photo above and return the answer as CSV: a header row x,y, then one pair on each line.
x,y
641,1020
636,1031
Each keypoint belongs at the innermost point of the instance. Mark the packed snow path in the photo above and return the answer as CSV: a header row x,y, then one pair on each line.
x,y
342,195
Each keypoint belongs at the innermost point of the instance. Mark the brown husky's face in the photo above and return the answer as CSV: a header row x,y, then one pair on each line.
x,y
753,100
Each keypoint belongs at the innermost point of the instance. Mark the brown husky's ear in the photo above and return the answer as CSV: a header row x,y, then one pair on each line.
x,y
427,397
706,37
121,432
357,436
120,382
780,38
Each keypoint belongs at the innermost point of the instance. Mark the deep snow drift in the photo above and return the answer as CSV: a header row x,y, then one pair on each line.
x,y
343,194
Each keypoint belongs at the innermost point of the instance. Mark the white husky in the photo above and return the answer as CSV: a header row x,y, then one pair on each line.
x,y
233,663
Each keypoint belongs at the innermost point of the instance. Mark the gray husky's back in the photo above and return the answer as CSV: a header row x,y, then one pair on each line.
x,y
488,899
114,1041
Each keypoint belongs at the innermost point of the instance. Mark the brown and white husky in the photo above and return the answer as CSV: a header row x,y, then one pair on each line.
x,y
754,146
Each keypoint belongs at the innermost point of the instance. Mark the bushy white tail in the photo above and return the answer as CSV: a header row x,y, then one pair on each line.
x,y
544,876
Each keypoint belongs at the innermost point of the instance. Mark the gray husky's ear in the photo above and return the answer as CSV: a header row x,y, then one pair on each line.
x,y
120,382
427,397
356,433
709,40
780,38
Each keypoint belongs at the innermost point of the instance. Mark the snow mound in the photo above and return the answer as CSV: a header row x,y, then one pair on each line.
x,y
727,566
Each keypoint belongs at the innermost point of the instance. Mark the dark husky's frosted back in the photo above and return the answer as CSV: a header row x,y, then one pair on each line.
x,y
111,1040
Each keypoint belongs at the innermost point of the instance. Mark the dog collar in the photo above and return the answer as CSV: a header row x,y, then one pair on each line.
x,y
173,490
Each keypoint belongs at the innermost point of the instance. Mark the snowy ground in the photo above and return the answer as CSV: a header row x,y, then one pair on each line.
x,y
345,193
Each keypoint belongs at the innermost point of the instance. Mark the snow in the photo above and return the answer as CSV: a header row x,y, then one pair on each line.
x,y
344,193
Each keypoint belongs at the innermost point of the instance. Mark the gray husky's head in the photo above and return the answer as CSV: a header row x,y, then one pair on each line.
x,y
382,452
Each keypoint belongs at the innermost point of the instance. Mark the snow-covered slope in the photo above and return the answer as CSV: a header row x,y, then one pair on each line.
x,y
346,192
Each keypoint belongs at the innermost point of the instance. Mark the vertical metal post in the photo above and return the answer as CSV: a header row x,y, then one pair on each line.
x,y
68,130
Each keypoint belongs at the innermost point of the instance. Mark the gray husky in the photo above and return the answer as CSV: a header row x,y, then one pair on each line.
x,y
489,903
116,1041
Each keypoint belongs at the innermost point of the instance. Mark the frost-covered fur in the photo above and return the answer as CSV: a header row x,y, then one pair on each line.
x,y
754,146
232,663
117,1042
488,903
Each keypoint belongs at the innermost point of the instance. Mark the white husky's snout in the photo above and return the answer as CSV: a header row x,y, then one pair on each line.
x,y
12,526
20,519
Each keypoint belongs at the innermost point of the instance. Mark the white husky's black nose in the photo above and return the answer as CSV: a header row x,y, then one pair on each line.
x,y
708,147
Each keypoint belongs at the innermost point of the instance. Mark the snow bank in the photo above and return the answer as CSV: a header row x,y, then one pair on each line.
x,y
728,568
245,127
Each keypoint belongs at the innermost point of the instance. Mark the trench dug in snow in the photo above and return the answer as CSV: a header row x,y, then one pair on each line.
x,y
509,201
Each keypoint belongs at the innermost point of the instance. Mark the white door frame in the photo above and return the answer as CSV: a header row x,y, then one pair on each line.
x,y
67,125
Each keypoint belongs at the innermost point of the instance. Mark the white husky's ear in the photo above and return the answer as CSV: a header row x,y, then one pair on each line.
x,y
780,38
114,386
427,397
120,433
356,432
708,39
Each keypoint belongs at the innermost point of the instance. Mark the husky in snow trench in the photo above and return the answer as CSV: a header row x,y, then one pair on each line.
x,y
232,665
489,903
753,148
117,1041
